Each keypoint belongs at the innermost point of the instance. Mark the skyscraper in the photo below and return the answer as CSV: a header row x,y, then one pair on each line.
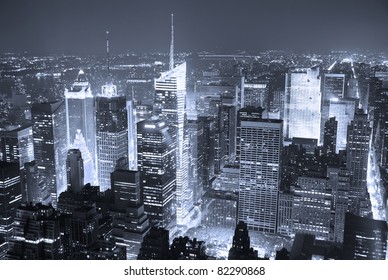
x,y
74,170
302,104
10,197
312,207
156,160
364,239
170,94
50,145
112,132
330,136
130,223
260,146
37,234
343,110
79,103
357,152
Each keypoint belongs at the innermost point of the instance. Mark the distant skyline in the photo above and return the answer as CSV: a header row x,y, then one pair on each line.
x,y
79,26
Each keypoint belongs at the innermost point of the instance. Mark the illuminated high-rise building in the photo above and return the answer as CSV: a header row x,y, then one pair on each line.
x,y
50,146
10,197
156,160
112,132
343,110
312,207
132,145
80,118
74,170
302,104
260,146
357,152
17,145
170,94
333,88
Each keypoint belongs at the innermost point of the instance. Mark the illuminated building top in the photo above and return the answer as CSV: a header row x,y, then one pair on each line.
x,y
80,88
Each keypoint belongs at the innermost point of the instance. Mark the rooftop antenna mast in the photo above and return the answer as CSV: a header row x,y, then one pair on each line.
x,y
107,51
172,43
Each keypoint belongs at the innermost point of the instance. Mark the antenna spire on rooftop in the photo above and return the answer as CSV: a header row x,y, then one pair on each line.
x,y
171,66
107,51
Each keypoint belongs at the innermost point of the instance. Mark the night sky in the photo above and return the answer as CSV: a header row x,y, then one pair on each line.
x,y
78,26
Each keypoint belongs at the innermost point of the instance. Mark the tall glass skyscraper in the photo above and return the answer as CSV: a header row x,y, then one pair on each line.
x,y
156,160
80,122
302,106
260,145
357,152
50,147
112,132
170,94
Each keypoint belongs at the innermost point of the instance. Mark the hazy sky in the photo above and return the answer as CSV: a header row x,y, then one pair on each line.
x,y
78,26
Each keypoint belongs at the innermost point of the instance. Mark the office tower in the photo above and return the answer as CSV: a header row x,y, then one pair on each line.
x,y
256,94
80,114
330,136
357,162
170,93
156,160
302,104
343,110
378,112
90,175
112,132
229,178
312,207
17,144
155,245
130,223
364,239
285,213
37,234
83,231
50,145
339,183
36,190
260,146
228,125
74,170
241,247
196,151
10,197
333,88
132,145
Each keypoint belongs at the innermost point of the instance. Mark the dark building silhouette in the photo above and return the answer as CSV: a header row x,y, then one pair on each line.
x,y
82,226
364,238
74,170
129,222
330,136
35,188
241,249
155,245
37,234
306,247
183,248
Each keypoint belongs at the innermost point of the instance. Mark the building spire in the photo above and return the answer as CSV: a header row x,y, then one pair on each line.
x,y
107,51
172,43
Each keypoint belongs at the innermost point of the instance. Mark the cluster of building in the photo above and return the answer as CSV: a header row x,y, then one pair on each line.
x,y
281,153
